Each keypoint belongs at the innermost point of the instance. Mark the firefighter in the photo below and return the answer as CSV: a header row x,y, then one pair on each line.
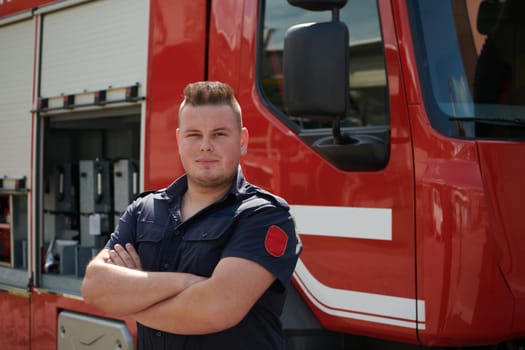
x,y
206,262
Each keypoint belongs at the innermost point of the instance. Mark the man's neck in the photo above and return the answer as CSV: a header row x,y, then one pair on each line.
x,y
197,198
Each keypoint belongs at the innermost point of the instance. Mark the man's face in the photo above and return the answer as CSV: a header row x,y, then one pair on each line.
x,y
210,145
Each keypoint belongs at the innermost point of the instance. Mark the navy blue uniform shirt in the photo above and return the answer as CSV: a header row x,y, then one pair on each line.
x,y
247,223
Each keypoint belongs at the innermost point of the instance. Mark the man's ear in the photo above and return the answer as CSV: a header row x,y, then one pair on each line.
x,y
244,141
177,134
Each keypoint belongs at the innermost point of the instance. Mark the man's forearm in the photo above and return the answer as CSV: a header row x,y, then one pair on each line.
x,y
213,305
190,312
119,290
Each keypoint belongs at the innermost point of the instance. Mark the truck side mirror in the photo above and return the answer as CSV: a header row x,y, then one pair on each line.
x,y
315,69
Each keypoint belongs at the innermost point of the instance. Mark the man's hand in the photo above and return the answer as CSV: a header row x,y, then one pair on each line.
x,y
125,257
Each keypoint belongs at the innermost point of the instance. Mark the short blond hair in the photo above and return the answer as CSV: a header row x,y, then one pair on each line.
x,y
203,93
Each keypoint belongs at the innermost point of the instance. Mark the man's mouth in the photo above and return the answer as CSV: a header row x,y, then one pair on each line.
x,y
206,161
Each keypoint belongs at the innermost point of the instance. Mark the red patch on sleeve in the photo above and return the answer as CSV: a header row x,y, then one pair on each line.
x,y
275,241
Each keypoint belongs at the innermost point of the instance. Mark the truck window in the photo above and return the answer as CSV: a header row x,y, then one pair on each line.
x,y
368,98
472,65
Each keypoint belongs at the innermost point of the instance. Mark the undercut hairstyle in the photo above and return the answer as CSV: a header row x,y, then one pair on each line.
x,y
215,93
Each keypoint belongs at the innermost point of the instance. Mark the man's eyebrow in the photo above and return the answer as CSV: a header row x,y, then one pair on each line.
x,y
222,128
190,130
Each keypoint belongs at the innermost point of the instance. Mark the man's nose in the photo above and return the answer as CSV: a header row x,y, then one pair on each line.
x,y
206,144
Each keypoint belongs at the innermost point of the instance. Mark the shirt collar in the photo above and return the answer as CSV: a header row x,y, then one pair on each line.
x,y
180,185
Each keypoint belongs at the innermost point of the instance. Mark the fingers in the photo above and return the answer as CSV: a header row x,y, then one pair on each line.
x,y
134,256
115,256
121,257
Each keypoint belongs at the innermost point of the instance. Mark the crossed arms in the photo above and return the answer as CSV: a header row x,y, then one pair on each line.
x,y
174,302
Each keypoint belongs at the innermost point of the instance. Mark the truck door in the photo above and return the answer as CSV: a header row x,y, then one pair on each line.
x,y
354,202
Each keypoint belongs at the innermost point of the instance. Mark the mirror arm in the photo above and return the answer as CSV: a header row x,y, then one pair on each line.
x,y
336,125
335,14
336,131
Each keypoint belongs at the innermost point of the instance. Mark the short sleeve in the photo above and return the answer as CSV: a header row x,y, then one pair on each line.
x,y
267,236
125,229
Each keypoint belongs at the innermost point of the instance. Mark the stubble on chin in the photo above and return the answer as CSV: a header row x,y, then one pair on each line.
x,y
218,182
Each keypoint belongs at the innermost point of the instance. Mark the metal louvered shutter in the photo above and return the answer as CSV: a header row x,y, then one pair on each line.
x,y
16,87
93,46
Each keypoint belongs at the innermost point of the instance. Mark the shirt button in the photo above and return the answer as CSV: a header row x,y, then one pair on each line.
x,y
166,266
158,334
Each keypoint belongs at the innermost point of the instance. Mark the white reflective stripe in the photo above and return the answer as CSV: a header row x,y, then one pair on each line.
x,y
352,222
346,222
370,307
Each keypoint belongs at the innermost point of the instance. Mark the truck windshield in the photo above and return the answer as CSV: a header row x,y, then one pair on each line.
x,y
471,60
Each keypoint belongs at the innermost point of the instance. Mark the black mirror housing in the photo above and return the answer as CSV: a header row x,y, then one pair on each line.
x,y
315,69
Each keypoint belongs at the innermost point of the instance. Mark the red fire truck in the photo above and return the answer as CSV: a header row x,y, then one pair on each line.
x,y
394,128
